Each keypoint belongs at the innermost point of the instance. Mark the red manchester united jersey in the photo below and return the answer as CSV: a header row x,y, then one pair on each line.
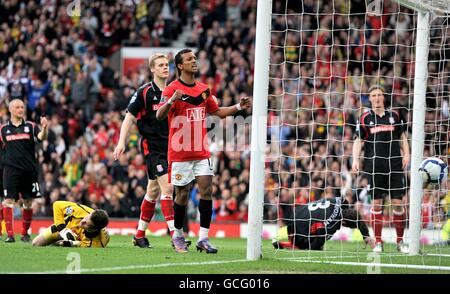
x,y
187,121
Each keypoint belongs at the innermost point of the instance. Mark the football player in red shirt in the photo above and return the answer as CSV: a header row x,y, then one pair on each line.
x,y
186,104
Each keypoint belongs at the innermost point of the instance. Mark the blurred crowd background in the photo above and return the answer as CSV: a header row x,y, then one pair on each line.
x,y
323,60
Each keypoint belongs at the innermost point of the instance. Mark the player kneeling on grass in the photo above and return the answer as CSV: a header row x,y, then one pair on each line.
x,y
75,225
317,222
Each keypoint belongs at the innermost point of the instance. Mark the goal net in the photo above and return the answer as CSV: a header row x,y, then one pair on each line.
x,y
324,57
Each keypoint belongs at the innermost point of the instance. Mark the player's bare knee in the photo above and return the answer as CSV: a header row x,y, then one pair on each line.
x,y
167,190
181,195
377,204
27,204
205,189
398,209
153,190
37,241
181,200
153,193
8,202
206,193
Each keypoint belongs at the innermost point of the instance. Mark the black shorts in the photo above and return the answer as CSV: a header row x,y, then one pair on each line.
x,y
16,181
156,165
384,184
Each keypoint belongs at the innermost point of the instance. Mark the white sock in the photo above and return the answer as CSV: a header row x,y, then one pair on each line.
x,y
178,233
146,197
203,233
171,225
142,225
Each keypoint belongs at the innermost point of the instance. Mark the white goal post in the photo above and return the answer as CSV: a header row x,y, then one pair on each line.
x,y
259,126
424,10
441,7
418,131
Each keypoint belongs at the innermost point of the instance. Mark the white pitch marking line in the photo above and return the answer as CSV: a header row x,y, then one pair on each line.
x,y
406,266
436,254
314,257
118,268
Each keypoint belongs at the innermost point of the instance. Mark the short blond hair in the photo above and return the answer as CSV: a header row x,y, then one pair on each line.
x,y
152,59
14,101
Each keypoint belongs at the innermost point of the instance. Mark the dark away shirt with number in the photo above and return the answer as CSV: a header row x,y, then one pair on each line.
x,y
324,215
19,145
143,105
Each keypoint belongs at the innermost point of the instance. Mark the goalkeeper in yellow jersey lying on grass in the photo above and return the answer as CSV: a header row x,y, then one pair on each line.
x,y
75,225
445,230
445,235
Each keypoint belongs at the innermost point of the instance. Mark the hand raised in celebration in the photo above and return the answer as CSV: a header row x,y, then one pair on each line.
x,y
44,122
246,102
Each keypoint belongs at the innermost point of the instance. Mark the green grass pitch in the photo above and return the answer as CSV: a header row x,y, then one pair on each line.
x,y
121,257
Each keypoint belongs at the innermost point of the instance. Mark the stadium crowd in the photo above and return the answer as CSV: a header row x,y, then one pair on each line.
x,y
60,65
322,65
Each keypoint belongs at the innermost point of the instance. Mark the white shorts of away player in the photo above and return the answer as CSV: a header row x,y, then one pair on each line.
x,y
182,173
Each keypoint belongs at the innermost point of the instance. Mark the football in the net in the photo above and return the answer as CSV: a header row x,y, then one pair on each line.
x,y
68,235
433,170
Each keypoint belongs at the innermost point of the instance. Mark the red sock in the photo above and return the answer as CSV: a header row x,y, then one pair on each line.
x,y
377,223
27,216
286,245
399,224
1,218
147,211
167,210
8,217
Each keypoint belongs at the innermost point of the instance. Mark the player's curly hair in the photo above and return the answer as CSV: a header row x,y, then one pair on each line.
x,y
179,59
100,219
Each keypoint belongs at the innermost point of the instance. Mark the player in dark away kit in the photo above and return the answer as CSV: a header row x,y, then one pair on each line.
x,y
316,222
20,166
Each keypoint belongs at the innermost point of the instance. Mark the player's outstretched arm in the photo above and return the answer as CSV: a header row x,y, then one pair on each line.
x,y
405,148
352,219
317,241
163,111
68,243
244,104
124,130
43,134
369,241
357,146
